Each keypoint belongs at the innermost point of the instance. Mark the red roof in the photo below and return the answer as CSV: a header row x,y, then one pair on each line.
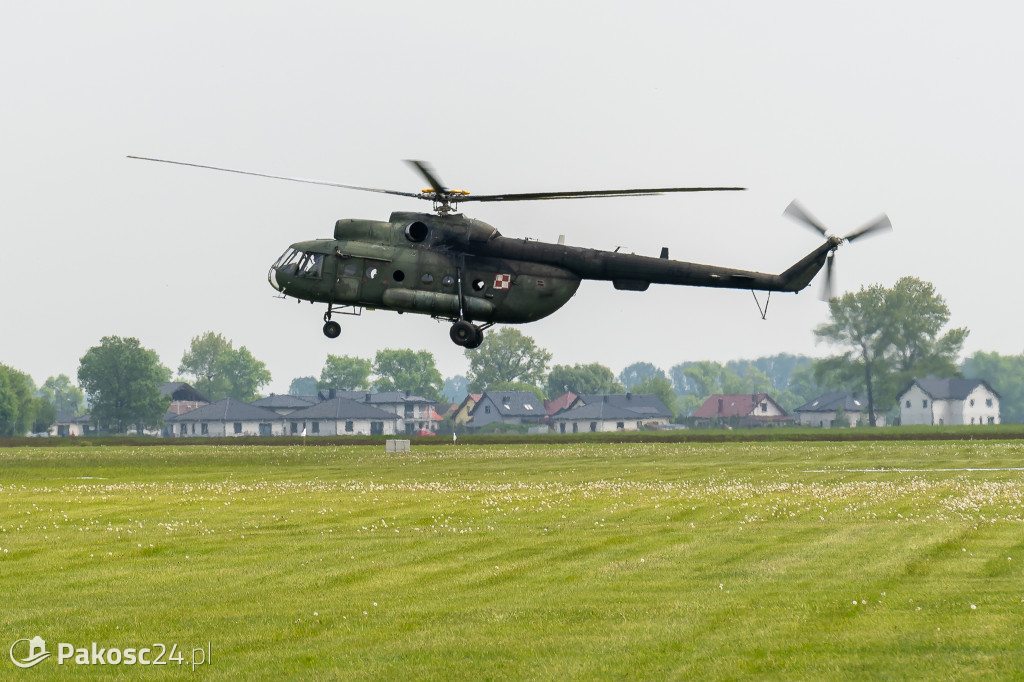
x,y
724,406
560,403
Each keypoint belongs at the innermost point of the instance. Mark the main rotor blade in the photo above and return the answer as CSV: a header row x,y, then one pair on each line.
x,y
826,290
879,224
797,212
592,194
417,195
427,172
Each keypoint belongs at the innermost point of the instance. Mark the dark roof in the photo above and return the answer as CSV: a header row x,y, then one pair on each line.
x,y
598,410
390,397
647,405
830,402
513,403
227,410
949,389
179,390
284,401
342,408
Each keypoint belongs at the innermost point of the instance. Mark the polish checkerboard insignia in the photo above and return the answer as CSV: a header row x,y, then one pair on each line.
x,y
502,282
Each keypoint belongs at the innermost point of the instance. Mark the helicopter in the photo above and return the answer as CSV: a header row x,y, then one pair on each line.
x,y
463,271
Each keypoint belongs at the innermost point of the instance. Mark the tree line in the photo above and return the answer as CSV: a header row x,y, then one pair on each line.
x,y
885,337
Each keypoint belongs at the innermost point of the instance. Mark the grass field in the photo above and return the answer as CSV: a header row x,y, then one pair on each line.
x,y
768,560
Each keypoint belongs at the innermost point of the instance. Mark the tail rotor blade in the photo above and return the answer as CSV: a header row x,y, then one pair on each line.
x,y
826,290
879,224
797,212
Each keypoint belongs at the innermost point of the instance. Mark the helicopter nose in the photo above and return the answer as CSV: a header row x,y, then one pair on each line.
x,y
272,278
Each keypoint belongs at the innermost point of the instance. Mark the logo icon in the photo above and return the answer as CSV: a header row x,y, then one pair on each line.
x,y
502,282
36,652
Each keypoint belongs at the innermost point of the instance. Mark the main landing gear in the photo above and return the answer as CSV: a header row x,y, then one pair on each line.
x,y
332,329
466,334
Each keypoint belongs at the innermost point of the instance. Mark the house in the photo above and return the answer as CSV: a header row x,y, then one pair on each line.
x,y
414,412
648,406
465,408
562,402
599,416
228,417
68,425
948,401
342,417
507,407
823,411
744,409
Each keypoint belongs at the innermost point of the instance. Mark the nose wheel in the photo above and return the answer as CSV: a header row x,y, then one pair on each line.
x,y
466,334
332,329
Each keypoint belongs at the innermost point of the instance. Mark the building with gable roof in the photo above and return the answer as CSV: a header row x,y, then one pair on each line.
x,y
285,404
507,407
743,409
937,402
414,412
823,411
228,417
342,417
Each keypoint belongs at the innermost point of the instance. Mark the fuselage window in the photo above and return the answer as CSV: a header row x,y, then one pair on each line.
x,y
371,272
350,270
399,276
478,285
427,278
448,280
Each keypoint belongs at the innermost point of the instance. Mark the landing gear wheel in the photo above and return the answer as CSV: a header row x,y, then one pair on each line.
x,y
464,333
478,338
332,329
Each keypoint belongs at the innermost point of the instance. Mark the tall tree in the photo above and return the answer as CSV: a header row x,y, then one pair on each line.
x,y
345,373
220,371
65,397
506,357
890,336
582,379
456,388
408,370
122,380
17,405
637,372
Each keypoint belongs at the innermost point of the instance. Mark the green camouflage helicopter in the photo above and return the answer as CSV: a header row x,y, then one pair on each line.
x,y
464,271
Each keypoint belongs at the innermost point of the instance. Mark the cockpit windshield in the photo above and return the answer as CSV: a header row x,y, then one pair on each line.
x,y
303,264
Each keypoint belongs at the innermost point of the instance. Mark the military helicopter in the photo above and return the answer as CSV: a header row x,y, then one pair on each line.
x,y
465,272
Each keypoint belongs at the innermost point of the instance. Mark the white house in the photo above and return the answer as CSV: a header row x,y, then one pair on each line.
x,y
228,417
949,401
342,417
414,412
823,411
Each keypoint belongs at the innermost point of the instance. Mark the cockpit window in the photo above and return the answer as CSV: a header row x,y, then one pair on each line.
x,y
287,258
311,265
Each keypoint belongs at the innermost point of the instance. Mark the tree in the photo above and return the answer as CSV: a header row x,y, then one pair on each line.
x,y
890,336
345,373
582,379
303,386
122,380
65,397
220,371
637,372
407,370
246,374
1005,374
17,406
506,356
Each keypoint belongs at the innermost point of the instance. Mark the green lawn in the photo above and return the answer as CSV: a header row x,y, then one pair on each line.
x,y
769,560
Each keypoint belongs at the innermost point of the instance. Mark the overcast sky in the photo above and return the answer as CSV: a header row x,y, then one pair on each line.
x,y
913,109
